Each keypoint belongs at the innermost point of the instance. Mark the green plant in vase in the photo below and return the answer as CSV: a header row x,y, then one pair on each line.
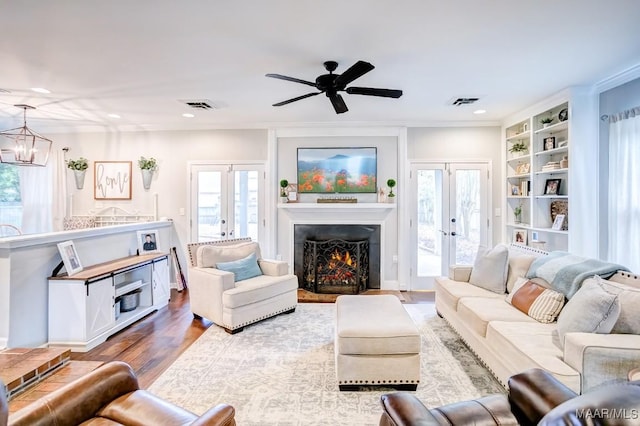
x,y
545,121
518,148
391,183
517,212
283,185
148,164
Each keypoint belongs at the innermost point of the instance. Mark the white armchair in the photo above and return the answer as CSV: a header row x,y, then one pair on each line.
x,y
232,304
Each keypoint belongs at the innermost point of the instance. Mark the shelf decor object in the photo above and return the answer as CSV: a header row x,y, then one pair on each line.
x,y
552,187
558,207
22,146
70,257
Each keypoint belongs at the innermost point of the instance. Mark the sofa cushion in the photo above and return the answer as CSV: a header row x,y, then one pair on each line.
x,y
522,346
477,312
518,266
541,304
592,309
242,269
490,268
629,297
258,289
449,292
208,256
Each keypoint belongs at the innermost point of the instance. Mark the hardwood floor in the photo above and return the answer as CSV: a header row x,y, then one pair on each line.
x,y
152,344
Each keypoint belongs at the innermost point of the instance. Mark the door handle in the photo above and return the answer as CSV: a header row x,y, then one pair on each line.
x,y
231,233
453,234
443,233
223,233
223,221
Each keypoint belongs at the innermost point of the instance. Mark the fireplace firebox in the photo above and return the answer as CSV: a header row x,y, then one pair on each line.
x,y
369,268
336,266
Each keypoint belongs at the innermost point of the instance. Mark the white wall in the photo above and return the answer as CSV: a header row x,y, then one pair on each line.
x,y
173,150
462,143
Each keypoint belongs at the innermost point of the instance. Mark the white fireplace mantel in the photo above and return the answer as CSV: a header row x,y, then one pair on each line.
x,y
337,207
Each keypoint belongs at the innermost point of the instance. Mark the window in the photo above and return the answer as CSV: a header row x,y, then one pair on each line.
x,y
10,201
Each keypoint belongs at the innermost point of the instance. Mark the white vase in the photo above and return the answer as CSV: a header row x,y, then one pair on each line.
x,y
79,175
391,200
147,175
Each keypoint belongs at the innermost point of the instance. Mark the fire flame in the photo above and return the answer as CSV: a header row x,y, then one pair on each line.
x,y
346,258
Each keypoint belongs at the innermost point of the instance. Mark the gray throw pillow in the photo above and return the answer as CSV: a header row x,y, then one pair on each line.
x,y
490,269
591,310
629,297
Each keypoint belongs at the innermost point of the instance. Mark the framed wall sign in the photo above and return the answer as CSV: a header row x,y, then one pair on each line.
x,y
112,180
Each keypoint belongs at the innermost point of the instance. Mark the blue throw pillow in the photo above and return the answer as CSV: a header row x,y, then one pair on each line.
x,y
243,268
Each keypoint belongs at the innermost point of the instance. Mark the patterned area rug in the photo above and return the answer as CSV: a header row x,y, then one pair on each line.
x,y
281,371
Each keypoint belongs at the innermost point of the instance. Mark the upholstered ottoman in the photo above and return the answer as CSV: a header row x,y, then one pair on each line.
x,y
376,343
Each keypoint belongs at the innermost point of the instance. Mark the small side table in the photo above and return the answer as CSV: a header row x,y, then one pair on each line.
x,y
634,374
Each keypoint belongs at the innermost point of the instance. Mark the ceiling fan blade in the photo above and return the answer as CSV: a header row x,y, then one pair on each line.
x,y
295,80
357,70
371,91
338,103
288,101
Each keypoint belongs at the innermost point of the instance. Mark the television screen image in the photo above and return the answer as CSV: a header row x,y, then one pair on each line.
x,y
337,170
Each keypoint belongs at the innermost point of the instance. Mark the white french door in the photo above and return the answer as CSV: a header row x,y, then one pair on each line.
x,y
227,201
449,217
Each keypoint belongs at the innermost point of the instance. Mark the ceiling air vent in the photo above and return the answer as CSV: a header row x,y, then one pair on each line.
x,y
199,104
463,101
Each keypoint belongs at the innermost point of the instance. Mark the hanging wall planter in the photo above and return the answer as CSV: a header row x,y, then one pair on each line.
x,y
79,175
79,168
147,167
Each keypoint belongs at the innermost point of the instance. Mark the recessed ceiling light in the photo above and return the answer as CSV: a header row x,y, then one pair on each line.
x,y
480,111
187,115
113,115
40,90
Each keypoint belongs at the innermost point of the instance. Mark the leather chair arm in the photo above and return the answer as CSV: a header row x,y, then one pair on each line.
x,y
404,409
80,400
220,415
534,393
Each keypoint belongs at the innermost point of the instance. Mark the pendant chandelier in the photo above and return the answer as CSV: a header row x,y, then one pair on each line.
x,y
22,146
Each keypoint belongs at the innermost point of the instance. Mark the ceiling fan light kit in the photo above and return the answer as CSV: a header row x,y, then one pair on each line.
x,y
330,84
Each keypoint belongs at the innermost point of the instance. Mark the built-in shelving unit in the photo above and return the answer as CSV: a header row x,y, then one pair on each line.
x,y
537,178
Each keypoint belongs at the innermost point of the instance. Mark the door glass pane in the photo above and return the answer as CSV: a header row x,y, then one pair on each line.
x,y
468,217
246,204
209,205
429,183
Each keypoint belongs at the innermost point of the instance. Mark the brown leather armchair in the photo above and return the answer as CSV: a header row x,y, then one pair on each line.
x,y
110,395
4,408
535,398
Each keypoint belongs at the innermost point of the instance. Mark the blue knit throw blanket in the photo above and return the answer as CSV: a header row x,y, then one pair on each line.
x,y
565,272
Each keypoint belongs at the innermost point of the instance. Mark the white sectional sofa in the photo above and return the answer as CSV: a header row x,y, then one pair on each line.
x,y
509,341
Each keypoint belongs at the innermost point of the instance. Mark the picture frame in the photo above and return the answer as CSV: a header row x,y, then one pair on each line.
x,y
534,236
523,168
148,241
520,236
112,180
552,187
70,257
549,143
558,222
515,190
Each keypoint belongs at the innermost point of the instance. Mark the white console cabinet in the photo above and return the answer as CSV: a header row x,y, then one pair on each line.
x,y
82,307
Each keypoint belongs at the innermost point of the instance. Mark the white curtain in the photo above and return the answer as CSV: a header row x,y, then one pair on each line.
x,y
36,194
624,189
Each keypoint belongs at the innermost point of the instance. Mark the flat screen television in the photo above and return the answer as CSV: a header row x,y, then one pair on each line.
x,y
337,170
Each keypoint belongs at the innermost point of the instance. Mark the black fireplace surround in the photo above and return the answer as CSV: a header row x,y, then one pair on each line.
x,y
302,233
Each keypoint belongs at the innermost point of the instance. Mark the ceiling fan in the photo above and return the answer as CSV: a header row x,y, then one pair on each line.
x,y
330,84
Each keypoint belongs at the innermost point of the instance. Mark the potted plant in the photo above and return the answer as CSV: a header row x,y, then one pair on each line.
x,y
283,193
147,167
546,121
79,168
391,183
517,212
518,147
